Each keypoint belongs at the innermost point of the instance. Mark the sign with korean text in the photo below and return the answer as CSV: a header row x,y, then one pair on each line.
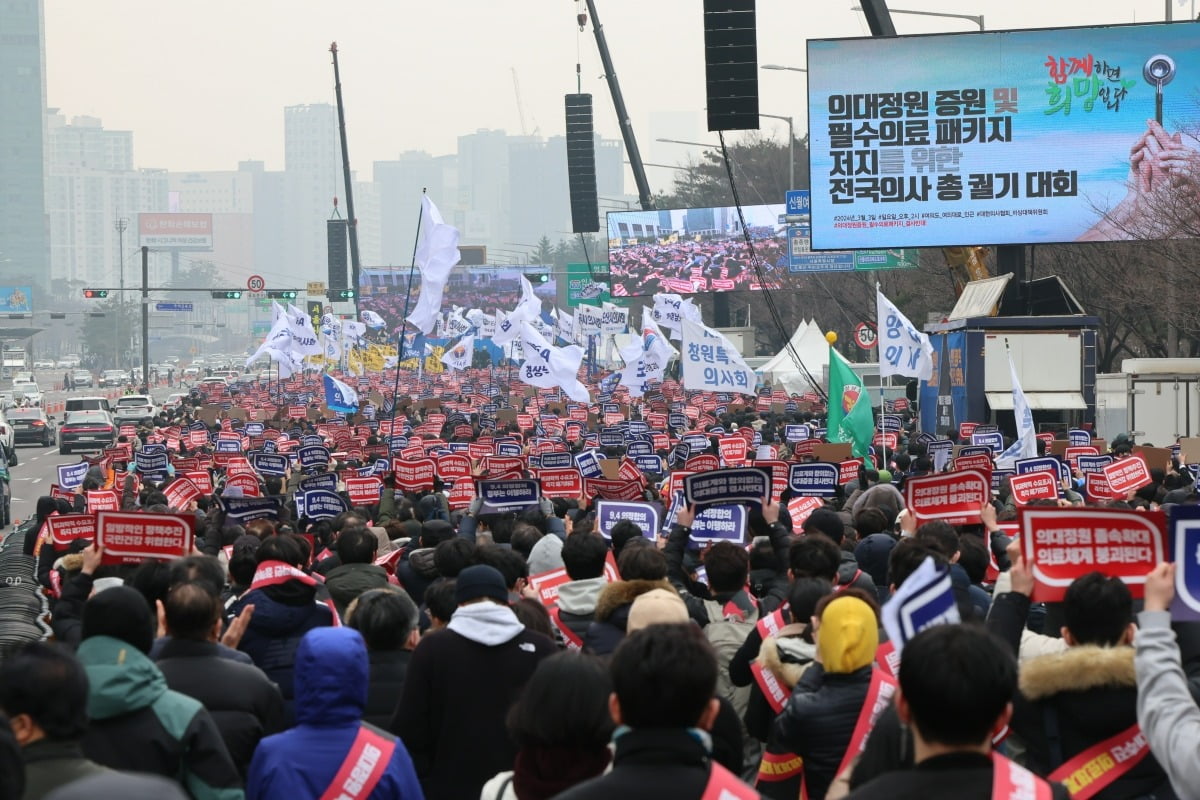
x,y
815,479
66,528
415,475
130,537
1040,485
743,485
565,482
1127,475
364,491
507,495
722,523
955,497
646,516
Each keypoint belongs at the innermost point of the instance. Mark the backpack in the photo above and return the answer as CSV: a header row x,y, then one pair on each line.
x,y
728,627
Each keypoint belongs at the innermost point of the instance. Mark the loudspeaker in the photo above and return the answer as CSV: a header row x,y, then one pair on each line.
x,y
337,253
581,164
731,64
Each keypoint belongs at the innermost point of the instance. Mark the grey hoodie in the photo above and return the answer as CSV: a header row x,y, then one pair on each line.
x,y
546,555
579,597
1166,711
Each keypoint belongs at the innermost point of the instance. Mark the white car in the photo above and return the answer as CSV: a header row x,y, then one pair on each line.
x,y
43,365
27,393
134,408
175,400
7,439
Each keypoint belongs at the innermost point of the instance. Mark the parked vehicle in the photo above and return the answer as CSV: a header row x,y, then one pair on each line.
x,y
7,442
86,430
135,408
31,425
43,365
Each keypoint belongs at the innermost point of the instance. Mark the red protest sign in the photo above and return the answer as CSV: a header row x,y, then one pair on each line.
x,y
181,492
732,449
779,475
1096,486
66,528
1062,544
613,490
500,465
363,491
201,479
702,463
965,429
453,467
103,500
197,438
566,482
58,492
952,496
1072,453
130,537
629,471
886,440
248,483
979,461
461,495
1034,486
801,508
848,470
1127,475
478,450
546,585
661,441
414,475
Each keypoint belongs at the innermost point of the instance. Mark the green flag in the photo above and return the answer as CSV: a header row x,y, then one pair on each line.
x,y
850,418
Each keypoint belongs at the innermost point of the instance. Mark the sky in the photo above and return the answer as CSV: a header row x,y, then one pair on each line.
x,y
203,85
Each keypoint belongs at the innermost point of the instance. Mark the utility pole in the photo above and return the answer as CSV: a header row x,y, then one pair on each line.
x,y
351,221
121,224
146,317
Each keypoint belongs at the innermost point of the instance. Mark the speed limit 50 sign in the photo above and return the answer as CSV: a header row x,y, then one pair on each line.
x,y
255,283
865,335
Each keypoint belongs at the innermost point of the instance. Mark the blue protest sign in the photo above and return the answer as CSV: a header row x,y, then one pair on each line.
x,y
975,450
679,455
397,443
640,449
1079,438
556,460
796,433
1185,549
72,475
677,420
150,462
724,486
890,423
326,482
645,515
999,476
723,523
1087,464
319,504
993,441
612,437
508,495
269,463
817,479
650,465
1025,466
229,446
697,443
926,598
313,456
508,449
311,440
240,510
254,428
589,464
157,447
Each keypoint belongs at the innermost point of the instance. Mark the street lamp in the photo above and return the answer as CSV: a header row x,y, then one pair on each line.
x,y
791,147
121,223
977,19
784,68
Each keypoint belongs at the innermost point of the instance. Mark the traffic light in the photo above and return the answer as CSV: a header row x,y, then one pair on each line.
x,y
234,294
543,278
95,294
288,294
344,294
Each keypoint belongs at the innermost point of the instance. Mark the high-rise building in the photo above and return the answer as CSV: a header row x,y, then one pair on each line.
x,y
312,179
24,252
400,184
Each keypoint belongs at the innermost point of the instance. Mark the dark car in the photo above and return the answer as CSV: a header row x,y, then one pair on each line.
x,y
31,425
86,430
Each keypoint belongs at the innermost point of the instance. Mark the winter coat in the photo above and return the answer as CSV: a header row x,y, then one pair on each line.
x,y
787,658
850,574
416,571
388,669
137,724
460,684
1166,711
650,764
50,764
953,776
818,721
1090,694
612,614
348,581
282,615
577,606
331,693
243,702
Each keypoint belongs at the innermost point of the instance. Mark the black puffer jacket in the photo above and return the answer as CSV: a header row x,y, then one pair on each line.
x,y
388,669
416,571
818,721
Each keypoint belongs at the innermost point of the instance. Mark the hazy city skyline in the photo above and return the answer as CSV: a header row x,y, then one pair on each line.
x,y
203,87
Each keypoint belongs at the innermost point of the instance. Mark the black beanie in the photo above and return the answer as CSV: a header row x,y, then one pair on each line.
x,y
122,613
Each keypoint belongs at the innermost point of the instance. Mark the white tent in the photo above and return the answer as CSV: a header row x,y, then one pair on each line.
x,y
809,343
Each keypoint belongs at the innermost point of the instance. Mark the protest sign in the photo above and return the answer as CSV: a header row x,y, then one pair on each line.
x,y
976,461
721,523
925,599
72,475
815,479
130,537
269,463
103,500
1185,551
319,504
453,467
955,497
613,489
414,475
1127,475
66,528
364,491
246,482
1062,544
313,456
181,492
646,516
742,485
324,482
1025,466
507,495
1040,485
566,483
801,508
1086,464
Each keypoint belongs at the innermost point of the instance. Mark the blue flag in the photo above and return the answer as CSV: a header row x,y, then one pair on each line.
x,y
339,397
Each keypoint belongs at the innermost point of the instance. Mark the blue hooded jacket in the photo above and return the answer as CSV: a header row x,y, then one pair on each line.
x,y
331,693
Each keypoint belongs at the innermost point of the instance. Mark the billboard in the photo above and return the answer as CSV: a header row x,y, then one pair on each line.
x,y
175,231
16,299
1036,136
691,250
583,288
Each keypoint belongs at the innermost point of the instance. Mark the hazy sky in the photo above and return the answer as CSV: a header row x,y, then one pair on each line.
x,y
203,85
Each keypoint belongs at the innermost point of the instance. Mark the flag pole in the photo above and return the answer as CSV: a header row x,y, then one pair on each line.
x,y
407,297
882,402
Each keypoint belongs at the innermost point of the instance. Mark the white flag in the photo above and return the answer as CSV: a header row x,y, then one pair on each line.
x,y
588,320
613,320
437,254
304,338
331,331
1026,444
550,367
372,319
460,356
903,350
529,308
712,363
565,326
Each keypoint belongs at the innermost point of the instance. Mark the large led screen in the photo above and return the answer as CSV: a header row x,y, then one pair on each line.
x,y
1079,134
691,250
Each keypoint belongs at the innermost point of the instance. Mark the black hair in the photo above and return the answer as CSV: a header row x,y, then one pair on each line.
x,y
645,563
906,558
435,531
804,596
510,564
285,548
973,557
191,609
871,520
439,599
583,555
524,537
242,566
957,681
356,545
814,557
762,554
564,704
664,676
453,556
1097,609
49,684
940,537
203,569
384,617
728,567
624,532
151,578
534,616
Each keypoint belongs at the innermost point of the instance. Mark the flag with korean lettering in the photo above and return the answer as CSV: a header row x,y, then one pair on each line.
x,y
712,363
903,350
550,367
850,418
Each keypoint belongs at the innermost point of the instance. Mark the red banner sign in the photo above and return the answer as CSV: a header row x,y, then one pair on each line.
x,y
801,508
453,467
1127,475
66,528
363,491
130,537
566,482
103,500
415,475
181,492
979,461
1034,486
733,449
955,497
201,479
248,483
1062,544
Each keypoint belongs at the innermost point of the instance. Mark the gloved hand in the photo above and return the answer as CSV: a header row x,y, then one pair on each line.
x,y
545,506
476,504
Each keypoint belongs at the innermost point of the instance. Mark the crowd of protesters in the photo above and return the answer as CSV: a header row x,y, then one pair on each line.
x,y
408,647
686,266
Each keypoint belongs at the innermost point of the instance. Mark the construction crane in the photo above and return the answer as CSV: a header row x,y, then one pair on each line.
x,y
517,92
966,264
